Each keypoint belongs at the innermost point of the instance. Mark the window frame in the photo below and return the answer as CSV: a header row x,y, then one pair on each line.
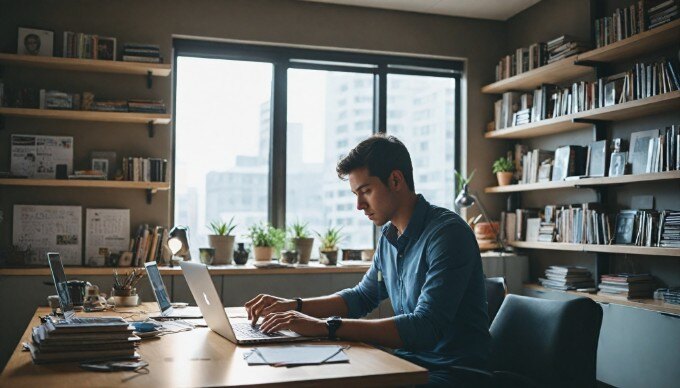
x,y
283,58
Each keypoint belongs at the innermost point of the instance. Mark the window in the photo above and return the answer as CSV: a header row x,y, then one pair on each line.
x,y
259,130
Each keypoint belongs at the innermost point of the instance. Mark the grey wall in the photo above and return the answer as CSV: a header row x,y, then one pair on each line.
x,y
480,42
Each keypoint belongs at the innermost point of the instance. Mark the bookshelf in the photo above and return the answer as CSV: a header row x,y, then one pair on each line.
x,y
593,248
581,65
624,111
86,65
586,182
647,304
155,186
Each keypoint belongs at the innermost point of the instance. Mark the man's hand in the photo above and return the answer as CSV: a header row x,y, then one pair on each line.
x,y
264,304
295,321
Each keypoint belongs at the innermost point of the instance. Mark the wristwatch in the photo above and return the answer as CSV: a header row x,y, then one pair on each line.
x,y
298,307
333,324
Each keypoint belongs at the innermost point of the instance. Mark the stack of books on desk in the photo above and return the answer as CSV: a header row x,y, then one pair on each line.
x,y
627,286
567,278
105,339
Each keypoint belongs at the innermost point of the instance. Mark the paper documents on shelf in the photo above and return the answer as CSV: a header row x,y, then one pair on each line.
x,y
296,355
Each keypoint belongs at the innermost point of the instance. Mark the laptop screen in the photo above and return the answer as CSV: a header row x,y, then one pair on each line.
x,y
61,284
158,286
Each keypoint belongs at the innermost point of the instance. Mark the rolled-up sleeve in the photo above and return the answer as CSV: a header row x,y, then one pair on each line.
x,y
451,255
367,295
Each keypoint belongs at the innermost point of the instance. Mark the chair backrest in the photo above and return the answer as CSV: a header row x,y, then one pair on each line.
x,y
552,342
495,294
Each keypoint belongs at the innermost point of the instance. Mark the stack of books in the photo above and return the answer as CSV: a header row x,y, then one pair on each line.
x,y
109,105
146,106
59,341
136,52
661,12
138,169
627,286
567,278
669,229
150,244
546,233
672,295
563,47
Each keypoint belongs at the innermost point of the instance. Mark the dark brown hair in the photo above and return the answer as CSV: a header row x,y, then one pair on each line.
x,y
381,154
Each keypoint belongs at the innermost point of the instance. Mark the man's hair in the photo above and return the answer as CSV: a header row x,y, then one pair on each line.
x,y
381,154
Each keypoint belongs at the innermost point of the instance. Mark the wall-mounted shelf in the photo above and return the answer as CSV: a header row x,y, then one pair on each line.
x,y
86,115
87,65
648,304
579,66
150,187
593,248
586,182
627,110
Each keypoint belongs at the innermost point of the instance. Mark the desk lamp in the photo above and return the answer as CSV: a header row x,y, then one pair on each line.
x,y
466,199
178,242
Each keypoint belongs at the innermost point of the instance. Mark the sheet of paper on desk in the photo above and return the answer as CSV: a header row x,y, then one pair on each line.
x,y
296,355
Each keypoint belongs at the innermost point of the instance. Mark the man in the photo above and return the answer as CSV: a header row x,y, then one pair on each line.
x,y
427,262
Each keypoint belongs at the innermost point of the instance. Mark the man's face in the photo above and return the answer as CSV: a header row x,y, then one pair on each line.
x,y
374,198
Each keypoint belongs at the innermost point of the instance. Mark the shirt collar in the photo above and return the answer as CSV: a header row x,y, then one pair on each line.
x,y
415,224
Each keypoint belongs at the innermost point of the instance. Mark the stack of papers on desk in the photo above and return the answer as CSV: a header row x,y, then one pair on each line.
x,y
296,355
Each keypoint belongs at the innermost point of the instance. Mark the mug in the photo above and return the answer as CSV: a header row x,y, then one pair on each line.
x,y
207,255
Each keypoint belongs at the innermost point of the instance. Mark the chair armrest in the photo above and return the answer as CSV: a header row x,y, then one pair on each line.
x,y
471,377
511,379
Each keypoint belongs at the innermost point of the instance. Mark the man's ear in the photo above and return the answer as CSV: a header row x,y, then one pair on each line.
x,y
396,179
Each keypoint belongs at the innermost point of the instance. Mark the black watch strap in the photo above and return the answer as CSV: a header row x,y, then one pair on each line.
x,y
333,324
298,307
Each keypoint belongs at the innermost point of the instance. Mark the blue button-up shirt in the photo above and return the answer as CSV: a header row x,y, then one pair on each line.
x,y
433,276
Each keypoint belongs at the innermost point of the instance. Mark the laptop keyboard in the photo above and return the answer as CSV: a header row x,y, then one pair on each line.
x,y
246,330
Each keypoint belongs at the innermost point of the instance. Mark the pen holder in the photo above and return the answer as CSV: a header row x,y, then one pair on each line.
x,y
125,297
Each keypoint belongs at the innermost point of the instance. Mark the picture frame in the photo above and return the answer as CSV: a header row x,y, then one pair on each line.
x,y
613,88
106,48
101,165
597,159
625,225
639,150
32,41
561,167
617,163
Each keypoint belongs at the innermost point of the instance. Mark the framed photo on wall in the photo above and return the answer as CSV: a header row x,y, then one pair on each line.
x,y
35,42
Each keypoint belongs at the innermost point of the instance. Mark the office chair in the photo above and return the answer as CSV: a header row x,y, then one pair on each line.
x,y
538,343
495,294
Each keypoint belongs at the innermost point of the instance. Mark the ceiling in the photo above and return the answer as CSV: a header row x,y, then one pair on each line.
x,y
479,9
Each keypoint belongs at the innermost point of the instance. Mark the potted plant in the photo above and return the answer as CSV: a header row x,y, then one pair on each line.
x,y
503,168
461,180
301,239
329,244
266,239
222,240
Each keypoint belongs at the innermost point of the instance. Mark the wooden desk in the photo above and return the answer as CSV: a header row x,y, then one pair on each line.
x,y
203,358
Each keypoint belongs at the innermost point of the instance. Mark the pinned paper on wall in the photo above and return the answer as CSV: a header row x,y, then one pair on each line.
x,y
106,231
39,229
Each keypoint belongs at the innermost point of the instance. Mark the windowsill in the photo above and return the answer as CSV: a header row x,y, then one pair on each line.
x,y
248,269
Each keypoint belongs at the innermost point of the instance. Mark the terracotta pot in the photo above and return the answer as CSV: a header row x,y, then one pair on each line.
x,y
504,178
224,248
263,253
304,248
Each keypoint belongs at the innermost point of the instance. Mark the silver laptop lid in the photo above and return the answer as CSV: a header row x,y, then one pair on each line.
x,y
61,284
207,299
158,286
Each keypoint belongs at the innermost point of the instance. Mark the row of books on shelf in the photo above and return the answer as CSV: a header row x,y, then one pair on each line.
x,y
624,286
104,338
150,243
651,151
550,101
623,23
537,55
138,169
54,99
590,223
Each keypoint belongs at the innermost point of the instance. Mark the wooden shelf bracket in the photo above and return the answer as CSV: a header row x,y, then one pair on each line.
x,y
149,195
149,79
151,128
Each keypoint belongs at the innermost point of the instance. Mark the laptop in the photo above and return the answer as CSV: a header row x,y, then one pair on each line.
x,y
238,330
61,284
161,294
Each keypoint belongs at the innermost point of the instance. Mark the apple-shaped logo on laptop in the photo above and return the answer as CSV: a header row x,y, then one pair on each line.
x,y
206,298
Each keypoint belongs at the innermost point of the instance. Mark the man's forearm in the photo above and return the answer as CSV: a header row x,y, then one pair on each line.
x,y
325,306
381,332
